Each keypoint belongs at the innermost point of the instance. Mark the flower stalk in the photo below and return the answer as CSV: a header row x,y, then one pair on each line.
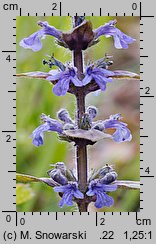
x,y
81,148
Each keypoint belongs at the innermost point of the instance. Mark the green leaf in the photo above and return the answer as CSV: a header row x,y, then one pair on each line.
x,y
127,184
23,193
28,179
122,74
119,74
35,74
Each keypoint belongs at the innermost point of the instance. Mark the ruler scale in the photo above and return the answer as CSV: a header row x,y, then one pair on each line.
x,y
47,226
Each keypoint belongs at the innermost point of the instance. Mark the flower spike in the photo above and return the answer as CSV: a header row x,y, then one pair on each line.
x,y
73,78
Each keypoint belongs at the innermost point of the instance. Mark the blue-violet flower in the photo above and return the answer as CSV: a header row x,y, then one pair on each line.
x,y
69,191
49,125
34,41
63,79
99,75
64,116
121,40
99,189
92,111
122,133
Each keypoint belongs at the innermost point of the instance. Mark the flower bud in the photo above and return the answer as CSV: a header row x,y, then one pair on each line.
x,y
60,165
58,174
109,178
92,111
77,20
64,116
103,63
105,170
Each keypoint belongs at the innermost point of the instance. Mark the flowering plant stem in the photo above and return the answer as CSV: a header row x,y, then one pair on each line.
x,y
81,149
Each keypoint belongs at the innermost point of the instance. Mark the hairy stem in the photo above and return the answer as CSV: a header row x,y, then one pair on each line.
x,y
78,63
81,150
83,206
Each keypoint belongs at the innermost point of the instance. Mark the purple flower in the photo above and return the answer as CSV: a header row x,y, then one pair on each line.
x,y
69,191
121,40
49,125
34,41
101,76
99,189
64,78
122,133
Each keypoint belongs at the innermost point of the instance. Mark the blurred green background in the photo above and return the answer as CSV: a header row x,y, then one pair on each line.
x,y
35,96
